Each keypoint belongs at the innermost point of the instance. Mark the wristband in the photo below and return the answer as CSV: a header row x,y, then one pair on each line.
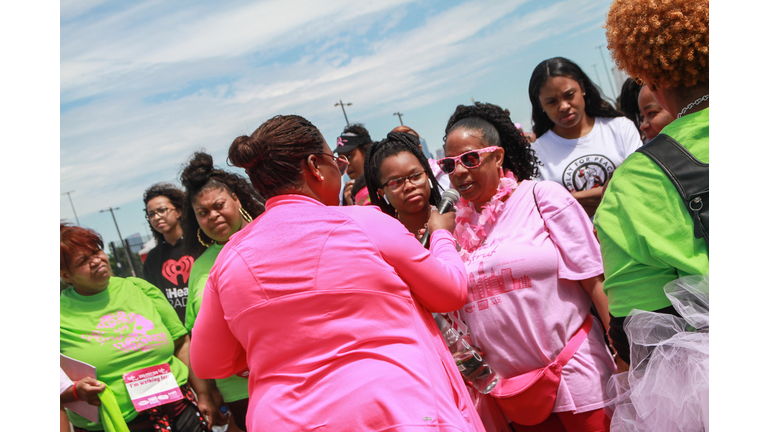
x,y
74,391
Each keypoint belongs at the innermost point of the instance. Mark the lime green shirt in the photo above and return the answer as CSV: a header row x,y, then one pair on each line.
x,y
128,326
232,388
644,228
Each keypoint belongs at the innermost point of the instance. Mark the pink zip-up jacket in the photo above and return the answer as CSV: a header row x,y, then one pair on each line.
x,y
329,309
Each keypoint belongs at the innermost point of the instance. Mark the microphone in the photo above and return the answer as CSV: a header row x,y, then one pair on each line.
x,y
450,197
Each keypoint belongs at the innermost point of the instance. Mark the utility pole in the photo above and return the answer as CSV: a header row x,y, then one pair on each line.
x,y
599,81
400,116
123,242
610,81
73,206
340,103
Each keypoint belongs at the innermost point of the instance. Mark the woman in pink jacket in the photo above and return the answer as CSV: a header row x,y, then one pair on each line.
x,y
327,306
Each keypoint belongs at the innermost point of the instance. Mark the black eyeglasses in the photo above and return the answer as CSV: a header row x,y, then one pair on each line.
x,y
416,179
341,161
160,212
470,159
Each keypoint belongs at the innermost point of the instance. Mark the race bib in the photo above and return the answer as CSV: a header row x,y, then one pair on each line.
x,y
152,386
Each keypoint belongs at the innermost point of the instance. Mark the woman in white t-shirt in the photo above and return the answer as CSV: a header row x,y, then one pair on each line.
x,y
582,138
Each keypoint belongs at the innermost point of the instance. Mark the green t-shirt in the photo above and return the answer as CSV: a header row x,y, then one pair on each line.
x,y
128,326
645,230
232,388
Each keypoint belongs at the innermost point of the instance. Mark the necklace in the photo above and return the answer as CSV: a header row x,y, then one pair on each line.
x,y
471,225
693,104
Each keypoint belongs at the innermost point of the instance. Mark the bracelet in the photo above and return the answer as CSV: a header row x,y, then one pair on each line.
x,y
74,391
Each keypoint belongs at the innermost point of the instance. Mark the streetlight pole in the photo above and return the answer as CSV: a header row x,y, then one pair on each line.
x,y
122,242
400,116
73,206
599,81
340,103
608,74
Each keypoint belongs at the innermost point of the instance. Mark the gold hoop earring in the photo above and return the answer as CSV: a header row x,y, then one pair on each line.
x,y
200,238
245,215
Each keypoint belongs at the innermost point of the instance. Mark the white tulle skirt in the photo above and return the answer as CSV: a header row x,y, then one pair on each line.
x,y
667,386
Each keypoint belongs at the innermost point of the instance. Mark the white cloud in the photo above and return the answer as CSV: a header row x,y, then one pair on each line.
x,y
142,37
70,9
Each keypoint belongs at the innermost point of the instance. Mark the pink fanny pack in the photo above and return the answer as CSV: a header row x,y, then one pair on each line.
x,y
528,399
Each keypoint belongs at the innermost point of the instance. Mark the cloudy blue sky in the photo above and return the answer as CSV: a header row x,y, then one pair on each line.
x,y
146,83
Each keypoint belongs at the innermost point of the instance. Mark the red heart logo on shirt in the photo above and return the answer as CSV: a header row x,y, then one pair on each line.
x,y
172,269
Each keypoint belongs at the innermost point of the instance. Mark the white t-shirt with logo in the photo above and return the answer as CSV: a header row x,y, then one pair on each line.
x,y
587,162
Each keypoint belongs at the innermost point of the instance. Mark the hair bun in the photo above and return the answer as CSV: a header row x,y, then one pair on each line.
x,y
245,152
198,170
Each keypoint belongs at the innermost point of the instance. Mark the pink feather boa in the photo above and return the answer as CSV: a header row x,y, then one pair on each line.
x,y
470,225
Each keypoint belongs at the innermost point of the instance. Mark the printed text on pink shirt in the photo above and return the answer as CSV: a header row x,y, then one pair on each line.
x,y
486,288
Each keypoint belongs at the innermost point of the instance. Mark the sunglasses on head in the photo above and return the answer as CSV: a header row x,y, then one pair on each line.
x,y
470,159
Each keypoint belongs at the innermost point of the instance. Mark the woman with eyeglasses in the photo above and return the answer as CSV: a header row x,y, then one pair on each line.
x,y
582,139
167,265
400,180
327,306
440,176
533,266
218,205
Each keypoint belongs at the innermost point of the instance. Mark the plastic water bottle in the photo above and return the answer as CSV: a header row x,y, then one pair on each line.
x,y
468,360
223,428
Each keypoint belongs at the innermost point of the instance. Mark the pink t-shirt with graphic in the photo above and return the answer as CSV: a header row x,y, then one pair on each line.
x,y
524,299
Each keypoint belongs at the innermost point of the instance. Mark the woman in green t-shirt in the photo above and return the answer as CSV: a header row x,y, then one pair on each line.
x,y
218,205
121,326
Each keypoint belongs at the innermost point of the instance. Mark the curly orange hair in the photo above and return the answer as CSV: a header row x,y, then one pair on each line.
x,y
664,42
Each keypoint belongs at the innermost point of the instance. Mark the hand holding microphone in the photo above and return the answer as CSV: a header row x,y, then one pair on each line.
x,y
442,217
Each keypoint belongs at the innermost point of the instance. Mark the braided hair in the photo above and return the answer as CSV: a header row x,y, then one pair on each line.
x,y
393,144
272,156
594,104
198,175
497,130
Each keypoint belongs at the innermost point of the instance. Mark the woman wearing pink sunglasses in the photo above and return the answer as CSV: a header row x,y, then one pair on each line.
x,y
534,271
